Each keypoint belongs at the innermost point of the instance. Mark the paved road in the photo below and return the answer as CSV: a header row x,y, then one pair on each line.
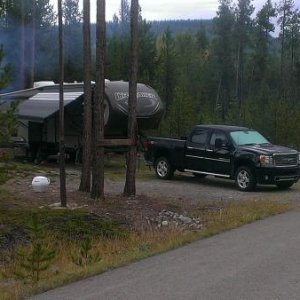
x,y
257,261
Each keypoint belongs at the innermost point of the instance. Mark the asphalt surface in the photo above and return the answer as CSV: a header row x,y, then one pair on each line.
x,y
256,261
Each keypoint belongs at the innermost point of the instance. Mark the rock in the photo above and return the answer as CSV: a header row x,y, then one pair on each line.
x,y
164,223
185,220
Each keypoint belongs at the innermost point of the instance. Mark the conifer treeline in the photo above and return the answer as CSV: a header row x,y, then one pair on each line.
x,y
240,68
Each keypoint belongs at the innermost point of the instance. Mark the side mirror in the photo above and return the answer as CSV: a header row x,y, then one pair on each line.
x,y
218,143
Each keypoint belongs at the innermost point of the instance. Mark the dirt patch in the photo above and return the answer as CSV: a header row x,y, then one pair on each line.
x,y
180,194
133,213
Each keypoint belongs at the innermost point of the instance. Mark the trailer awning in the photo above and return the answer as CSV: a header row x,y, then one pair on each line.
x,y
42,105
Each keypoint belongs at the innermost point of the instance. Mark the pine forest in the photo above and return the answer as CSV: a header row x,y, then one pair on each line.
x,y
240,68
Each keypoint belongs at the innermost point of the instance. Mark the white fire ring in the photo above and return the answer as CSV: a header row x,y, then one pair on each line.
x,y
40,184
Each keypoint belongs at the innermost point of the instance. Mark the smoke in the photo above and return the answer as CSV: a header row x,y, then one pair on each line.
x,y
46,53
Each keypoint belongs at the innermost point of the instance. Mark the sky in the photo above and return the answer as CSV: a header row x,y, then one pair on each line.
x,y
170,9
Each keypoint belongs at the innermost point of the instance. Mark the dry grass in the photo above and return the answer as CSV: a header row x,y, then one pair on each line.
x,y
116,252
116,246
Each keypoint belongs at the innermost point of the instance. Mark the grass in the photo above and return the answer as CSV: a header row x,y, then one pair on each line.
x,y
115,169
66,230
115,246
10,168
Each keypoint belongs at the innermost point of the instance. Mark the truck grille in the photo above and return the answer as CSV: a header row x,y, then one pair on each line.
x,y
285,159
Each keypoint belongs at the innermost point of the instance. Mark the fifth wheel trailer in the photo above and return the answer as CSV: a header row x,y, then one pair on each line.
x,y
38,113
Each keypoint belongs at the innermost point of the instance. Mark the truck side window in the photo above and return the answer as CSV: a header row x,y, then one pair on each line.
x,y
200,137
217,135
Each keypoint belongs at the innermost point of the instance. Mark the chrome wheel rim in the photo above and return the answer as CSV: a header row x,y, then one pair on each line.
x,y
243,179
162,168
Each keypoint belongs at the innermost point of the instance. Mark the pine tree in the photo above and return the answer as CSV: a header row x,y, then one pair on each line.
x,y
4,71
262,38
98,163
85,183
223,49
242,31
166,68
73,41
285,14
130,188
147,53
38,260
72,15
8,120
62,167
293,56
24,23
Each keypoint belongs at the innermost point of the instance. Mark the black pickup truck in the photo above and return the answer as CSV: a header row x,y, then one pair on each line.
x,y
232,152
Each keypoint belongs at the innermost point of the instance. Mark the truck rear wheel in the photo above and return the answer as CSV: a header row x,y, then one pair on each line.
x,y
245,179
163,168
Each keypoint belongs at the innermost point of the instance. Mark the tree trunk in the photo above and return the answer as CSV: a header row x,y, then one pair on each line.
x,y
282,52
22,47
85,183
32,45
239,78
98,163
130,189
63,197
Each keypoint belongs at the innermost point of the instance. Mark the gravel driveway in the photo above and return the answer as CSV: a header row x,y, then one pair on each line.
x,y
188,187
183,187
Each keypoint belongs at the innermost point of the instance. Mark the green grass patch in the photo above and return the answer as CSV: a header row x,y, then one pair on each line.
x,y
66,230
11,169
70,225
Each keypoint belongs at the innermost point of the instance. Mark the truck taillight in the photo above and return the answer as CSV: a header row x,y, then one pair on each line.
x,y
147,144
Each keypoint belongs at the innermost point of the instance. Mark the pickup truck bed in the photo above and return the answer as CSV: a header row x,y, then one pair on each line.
x,y
173,149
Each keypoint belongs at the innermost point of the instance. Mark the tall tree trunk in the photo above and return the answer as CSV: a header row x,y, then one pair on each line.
x,y
32,45
130,189
283,29
239,77
62,167
85,183
22,47
98,164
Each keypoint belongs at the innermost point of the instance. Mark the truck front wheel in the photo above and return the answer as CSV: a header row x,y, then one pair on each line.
x,y
245,179
163,168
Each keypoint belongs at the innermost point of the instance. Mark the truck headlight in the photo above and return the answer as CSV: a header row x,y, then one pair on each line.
x,y
299,158
266,160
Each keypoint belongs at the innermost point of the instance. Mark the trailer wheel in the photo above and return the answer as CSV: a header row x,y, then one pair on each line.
x,y
163,168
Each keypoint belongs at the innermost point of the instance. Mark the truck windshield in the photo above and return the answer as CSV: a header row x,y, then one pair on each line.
x,y
249,137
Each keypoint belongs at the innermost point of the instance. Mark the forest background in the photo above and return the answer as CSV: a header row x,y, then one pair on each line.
x,y
230,70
